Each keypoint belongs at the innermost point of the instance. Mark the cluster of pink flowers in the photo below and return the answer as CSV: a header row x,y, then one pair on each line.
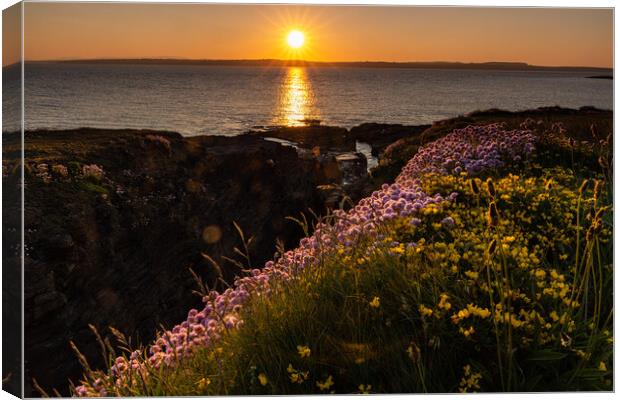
x,y
60,170
42,171
93,170
46,173
472,149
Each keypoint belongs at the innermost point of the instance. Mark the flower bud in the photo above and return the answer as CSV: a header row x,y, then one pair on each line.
x,y
474,186
491,187
597,189
583,187
492,215
492,247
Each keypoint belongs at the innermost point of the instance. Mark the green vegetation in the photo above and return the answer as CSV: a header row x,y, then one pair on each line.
x,y
508,288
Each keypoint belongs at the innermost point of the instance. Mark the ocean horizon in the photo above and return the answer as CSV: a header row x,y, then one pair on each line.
x,y
230,100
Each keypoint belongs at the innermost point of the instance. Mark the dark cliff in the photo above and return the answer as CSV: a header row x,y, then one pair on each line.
x,y
115,219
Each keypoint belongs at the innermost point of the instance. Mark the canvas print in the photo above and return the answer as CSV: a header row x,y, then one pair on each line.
x,y
254,199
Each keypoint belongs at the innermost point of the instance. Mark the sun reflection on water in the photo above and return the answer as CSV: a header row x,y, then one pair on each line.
x,y
296,102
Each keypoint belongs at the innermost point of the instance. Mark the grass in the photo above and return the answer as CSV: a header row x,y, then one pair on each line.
x,y
509,288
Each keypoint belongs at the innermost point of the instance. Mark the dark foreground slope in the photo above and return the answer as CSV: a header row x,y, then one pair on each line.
x,y
115,220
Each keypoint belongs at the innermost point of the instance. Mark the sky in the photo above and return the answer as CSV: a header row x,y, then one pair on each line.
x,y
553,37
11,37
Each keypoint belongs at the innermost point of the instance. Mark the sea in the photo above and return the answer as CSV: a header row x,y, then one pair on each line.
x,y
229,100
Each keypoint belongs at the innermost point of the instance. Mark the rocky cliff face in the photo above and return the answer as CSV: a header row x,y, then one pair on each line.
x,y
114,220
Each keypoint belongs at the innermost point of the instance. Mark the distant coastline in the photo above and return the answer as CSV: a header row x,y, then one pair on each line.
x,y
508,66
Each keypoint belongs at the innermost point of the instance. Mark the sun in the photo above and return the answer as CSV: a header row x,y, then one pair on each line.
x,y
295,39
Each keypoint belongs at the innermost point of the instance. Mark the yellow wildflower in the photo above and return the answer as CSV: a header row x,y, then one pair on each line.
x,y
467,332
262,378
203,383
304,351
602,366
472,274
297,376
375,303
443,302
461,315
478,311
425,311
470,380
508,239
329,382
400,249
364,389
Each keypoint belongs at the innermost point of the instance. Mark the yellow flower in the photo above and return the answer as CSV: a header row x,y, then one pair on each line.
x,y
443,302
470,380
364,389
297,376
329,382
375,303
508,239
461,315
472,274
477,311
304,351
467,332
400,249
263,379
203,383
602,366
425,311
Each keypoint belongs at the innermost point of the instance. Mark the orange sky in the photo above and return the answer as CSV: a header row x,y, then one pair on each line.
x,y
568,37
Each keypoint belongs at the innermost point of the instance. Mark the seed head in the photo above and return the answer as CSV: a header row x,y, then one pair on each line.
x,y
492,247
583,187
492,215
597,189
474,186
491,187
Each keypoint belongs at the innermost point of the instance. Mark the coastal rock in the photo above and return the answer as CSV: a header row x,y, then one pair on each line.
x,y
325,138
379,136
